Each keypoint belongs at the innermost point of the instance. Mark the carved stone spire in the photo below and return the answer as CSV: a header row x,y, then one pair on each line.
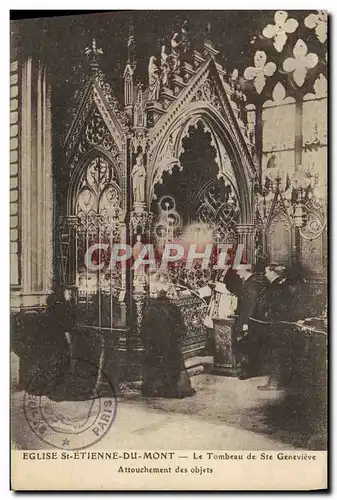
x,y
208,30
129,73
93,54
131,45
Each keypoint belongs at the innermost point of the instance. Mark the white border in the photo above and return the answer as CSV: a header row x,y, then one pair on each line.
x,y
4,194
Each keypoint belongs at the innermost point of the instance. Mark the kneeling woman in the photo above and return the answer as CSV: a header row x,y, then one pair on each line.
x,y
164,372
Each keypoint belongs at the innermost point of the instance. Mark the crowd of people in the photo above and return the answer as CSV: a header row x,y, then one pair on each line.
x,y
264,302
261,304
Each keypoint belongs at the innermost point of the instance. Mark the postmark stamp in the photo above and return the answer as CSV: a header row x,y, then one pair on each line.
x,y
67,410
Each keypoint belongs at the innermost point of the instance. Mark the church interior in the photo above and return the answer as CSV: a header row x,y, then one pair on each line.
x,y
156,127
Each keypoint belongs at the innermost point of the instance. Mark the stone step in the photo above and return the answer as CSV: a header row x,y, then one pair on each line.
x,y
198,360
195,370
198,364
195,365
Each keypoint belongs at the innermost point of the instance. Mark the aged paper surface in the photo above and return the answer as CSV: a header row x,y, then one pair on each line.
x,y
168,201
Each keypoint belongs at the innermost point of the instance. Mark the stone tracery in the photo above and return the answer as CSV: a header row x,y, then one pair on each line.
x,y
189,87
284,219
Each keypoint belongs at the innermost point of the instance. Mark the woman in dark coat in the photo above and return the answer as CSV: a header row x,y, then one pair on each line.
x,y
164,372
56,347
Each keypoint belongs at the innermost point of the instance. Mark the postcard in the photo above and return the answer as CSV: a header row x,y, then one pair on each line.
x,y
168,214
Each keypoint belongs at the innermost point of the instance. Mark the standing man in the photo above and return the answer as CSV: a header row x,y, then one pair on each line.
x,y
276,306
248,307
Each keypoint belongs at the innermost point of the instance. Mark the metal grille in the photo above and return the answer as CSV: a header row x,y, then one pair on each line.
x,y
96,220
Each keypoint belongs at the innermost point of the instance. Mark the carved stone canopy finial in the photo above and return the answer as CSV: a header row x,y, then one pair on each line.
x,y
131,45
141,220
93,54
208,30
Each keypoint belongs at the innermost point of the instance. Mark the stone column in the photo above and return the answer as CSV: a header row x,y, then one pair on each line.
x,y
139,224
122,303
226,360
245,234
139,221
14,185
36,190
31,208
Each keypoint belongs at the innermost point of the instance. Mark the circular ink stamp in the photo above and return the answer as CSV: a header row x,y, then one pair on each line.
x,y
70,410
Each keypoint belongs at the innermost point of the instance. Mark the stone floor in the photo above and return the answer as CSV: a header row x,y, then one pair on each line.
x,y
286,418
225,413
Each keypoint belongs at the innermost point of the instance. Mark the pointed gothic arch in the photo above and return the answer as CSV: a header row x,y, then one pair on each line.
x,y
222,133
79,173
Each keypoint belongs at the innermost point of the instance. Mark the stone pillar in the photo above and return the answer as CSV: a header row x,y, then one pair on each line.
x,y
139,222
245,234
31,209
14,184
226,360
128,89
122,303
298,133
258,137
131,349
36,190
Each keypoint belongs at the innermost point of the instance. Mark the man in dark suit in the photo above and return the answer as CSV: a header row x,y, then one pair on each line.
x,y
276,306
248,307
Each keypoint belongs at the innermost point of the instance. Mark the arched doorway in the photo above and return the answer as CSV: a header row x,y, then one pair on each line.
x,y
196,188
233,159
